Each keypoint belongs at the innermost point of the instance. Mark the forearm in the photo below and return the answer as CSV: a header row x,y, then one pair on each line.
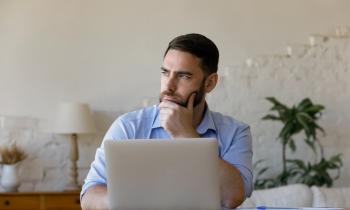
x,y
95,198
231,185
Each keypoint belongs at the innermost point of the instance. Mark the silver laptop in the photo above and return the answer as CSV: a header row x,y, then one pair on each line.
x,y
162,174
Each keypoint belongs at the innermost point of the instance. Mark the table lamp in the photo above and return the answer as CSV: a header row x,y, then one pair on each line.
x,y
74,119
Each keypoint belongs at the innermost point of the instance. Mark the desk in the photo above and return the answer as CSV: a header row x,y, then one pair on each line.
x,y
40,201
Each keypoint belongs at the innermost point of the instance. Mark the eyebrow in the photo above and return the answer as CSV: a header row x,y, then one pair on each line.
x,y
177,72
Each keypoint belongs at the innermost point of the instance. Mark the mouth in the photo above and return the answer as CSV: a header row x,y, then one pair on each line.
x,y
169,98
173,100
172,97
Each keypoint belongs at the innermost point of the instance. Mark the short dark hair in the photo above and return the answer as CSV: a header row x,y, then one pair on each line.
x,y
201,47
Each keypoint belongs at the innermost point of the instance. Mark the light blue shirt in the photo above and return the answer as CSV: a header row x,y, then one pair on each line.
x,y
234,141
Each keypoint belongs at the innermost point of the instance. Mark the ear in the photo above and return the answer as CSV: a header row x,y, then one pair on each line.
x,y
210,82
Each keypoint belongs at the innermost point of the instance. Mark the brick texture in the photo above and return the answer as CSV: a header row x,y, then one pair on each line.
x,y
319,70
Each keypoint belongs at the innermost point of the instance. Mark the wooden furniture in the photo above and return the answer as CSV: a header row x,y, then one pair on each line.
x,y
40,201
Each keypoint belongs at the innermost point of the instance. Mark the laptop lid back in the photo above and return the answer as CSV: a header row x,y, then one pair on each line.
x,y
162,174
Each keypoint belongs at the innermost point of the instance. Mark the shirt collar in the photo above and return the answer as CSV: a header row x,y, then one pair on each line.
x,y
206,124
156,121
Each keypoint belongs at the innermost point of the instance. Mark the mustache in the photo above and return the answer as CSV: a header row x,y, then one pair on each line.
x,y
178,99
167,93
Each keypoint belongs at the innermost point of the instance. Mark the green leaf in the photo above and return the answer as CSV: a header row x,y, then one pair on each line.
x,y
306,116
320,128
304,103
314,109
304,124
298,163
291,145
271,117
311,144
276,102
286,131
262,171
295,119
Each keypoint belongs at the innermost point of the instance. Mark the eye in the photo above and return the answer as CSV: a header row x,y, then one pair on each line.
x,y
164,72
184,76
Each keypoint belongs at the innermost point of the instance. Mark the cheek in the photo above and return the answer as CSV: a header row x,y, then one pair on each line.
x,y
185,92
162,84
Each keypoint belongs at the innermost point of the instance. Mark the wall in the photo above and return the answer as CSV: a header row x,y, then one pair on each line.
x,y
320,72
46,167
90,51
104,52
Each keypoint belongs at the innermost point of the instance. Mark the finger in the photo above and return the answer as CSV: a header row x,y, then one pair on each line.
x,y
164,112
164,117
191,101
168,104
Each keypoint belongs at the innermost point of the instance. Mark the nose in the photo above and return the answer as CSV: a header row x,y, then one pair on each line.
x,y
171,83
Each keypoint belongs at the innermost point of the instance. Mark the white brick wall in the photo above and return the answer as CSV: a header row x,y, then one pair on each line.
x,y
47,166
320,71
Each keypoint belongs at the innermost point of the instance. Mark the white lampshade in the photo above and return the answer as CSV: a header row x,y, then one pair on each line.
x,y
74,118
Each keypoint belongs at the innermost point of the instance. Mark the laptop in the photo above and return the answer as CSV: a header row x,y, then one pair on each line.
x,y
161,174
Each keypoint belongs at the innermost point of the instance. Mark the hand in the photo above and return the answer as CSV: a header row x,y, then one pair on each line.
x,y
178,120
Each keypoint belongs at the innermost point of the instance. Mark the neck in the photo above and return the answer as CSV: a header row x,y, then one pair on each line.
x,y
198,113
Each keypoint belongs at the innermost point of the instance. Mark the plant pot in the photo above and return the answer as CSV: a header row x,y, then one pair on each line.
x,y
9,179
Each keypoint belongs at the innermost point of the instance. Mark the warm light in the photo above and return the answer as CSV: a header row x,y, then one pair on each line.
x,y
73,119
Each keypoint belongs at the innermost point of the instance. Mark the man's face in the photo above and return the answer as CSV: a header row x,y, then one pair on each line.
x,y
181,76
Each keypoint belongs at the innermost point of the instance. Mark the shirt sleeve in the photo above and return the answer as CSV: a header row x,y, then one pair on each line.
x,y
240,154
97,172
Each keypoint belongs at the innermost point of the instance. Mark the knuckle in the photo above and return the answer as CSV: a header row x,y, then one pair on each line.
x,y
171,113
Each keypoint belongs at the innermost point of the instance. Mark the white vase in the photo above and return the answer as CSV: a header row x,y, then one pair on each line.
x,y
9,178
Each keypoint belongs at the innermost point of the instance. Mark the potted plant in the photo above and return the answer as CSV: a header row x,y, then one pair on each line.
x,y
301,118
10,157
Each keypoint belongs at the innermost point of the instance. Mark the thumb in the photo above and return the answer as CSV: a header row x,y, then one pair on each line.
x,y
191,101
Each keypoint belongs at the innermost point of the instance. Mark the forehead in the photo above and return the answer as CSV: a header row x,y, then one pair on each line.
x,y
176,60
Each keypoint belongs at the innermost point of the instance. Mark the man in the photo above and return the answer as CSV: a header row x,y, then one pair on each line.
x,y
188,73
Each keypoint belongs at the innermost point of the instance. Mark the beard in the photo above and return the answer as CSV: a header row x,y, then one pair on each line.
x,y
200,93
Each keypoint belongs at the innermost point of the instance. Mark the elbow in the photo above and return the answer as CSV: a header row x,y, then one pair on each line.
x,y
83,204
233,201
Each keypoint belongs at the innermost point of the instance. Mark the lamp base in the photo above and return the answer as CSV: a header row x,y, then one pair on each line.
x,y
72,184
